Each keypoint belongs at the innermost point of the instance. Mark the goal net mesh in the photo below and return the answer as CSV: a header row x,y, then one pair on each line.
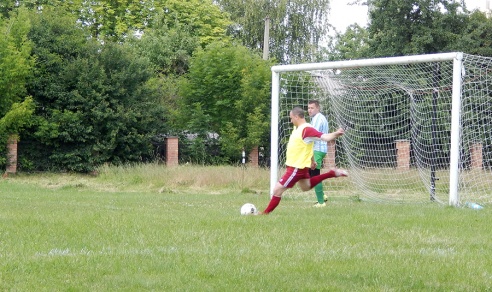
x,y
397,120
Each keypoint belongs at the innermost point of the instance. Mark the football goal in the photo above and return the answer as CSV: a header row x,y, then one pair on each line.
x,y
418,128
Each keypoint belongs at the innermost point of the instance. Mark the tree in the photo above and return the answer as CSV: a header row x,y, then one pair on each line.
x,y
6,7
11,124
204,19
231,87
351,45
94,105
168,48
476,38
15,69
16,62
120,19
298,27
17,117
116,20
408,27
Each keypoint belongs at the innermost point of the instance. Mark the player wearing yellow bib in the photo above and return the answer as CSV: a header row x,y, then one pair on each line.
x,y
300,158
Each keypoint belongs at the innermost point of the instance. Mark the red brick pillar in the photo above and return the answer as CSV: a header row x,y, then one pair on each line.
x,y
476,156
172,151
11,154
329,160
402,154
253,157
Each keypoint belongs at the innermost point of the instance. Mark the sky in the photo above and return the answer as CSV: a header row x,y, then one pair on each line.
x,y
343,15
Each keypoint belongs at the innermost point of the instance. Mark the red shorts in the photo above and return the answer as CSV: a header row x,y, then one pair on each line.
x,y
293,175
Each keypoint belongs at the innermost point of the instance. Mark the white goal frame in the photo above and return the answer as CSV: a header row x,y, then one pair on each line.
x,y
456,57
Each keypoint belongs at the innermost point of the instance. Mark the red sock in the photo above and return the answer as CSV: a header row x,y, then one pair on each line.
x,y
317,179
274,201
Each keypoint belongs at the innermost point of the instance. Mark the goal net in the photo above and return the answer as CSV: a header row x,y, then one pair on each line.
x,y
418,128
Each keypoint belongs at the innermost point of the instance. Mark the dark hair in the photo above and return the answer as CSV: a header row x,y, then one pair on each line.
x,y
314,101
298,112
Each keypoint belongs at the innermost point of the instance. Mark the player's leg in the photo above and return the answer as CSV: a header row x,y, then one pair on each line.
x,y
288,180
278,190
313,181
304,184
318,189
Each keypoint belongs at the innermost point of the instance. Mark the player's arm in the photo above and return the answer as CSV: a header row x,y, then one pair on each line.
x,y
332,136
311,132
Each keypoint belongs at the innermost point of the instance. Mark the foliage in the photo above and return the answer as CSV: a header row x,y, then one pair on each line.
x,y
116,19
93,103
476,38
16,62
120,19
9,6
15,69
169,49
17,117
204,19
199,145
415,27
230,86
6,7
351,45
297,28
409,28
100,93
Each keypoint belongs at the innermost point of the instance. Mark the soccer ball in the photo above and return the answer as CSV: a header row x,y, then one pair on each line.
x,y
248,209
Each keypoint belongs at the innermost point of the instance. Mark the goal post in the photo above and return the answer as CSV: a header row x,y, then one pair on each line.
x,y
437,108
455,130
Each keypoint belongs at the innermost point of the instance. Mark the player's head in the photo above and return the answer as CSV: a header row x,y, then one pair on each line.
x,y
313,107
297,116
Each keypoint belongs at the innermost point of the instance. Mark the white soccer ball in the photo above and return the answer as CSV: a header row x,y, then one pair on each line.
x,y
248,209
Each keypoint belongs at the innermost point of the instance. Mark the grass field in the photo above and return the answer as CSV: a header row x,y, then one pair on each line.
x,y
149,227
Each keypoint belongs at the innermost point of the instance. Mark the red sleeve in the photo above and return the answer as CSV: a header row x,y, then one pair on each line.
x,y
311,132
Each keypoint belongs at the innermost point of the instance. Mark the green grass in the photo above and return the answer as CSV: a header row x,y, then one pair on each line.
x,y
106,233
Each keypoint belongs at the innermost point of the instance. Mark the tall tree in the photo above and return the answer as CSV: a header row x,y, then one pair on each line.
x,y
94,105
204,19
298,27
15,58
116,20
168,48
7,6
229,86
119,19
15,68
109,19
352,44
407,27
476,38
